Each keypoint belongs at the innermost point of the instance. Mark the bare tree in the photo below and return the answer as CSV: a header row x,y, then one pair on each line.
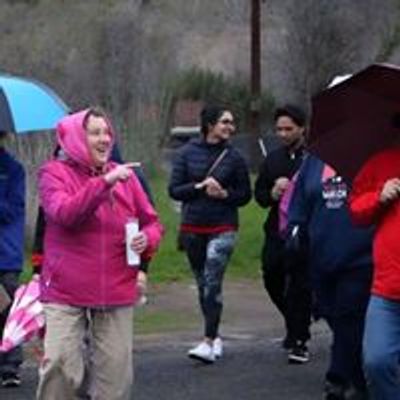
x,y
124,54
319,39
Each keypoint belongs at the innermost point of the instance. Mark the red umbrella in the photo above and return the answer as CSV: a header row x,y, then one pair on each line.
x,y
356,118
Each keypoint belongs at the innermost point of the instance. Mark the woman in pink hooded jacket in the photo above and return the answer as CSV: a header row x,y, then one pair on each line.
x,y
86,281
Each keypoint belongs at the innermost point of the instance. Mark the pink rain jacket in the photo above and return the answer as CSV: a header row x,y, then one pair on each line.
x,y
84,259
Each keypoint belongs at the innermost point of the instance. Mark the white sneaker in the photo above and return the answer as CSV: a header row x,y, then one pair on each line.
x,y
203,352
218,347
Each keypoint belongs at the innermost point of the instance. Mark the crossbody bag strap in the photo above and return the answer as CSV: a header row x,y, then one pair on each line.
x,y
217,162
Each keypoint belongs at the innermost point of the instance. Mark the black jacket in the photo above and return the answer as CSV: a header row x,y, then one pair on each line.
x,y
279,163
191,166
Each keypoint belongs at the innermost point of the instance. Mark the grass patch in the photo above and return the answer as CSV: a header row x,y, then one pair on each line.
x,y
169,264
26,273
148,320
245,261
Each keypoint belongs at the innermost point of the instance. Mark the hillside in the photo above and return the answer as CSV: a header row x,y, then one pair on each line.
x,y
124,54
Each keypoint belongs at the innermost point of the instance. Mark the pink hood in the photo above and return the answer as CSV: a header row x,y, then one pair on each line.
x,y
71,137
84,259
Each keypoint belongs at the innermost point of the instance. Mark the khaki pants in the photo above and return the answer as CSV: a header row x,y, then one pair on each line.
x,y
62,372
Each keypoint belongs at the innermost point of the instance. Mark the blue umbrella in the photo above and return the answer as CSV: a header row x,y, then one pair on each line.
x,y
28,105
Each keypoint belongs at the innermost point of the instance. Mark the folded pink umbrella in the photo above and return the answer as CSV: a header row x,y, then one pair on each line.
x,y
26,317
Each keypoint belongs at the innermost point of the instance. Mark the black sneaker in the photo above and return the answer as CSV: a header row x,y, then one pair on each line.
x,y
298,354
10,379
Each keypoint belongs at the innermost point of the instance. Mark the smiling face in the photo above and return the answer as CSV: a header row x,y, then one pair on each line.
x,y
222,129
99,140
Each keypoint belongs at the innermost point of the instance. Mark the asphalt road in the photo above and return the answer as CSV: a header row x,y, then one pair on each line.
x,y
253,368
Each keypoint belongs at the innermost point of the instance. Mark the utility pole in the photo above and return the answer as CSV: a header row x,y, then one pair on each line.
x,y
255,68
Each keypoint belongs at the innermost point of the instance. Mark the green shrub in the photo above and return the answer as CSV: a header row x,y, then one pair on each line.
x,y
215,87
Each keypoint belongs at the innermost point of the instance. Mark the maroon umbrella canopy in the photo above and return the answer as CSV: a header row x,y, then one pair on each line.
x,y
357,118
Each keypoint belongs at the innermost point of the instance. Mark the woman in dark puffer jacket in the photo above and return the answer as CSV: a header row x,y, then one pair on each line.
x,y
211,179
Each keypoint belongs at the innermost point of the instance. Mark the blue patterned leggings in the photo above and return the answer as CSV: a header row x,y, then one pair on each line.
x,y
208,256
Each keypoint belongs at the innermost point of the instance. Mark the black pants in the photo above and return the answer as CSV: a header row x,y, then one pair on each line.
x,y
343,299
9,362
287,284
274,272
298,302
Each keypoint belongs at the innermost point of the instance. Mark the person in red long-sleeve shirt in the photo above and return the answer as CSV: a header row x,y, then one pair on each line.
x,y
375,200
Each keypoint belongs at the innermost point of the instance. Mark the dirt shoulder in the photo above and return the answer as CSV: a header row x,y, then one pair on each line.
x,y
173,309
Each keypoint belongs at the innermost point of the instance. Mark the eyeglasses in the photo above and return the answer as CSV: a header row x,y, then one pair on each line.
x,y
227,121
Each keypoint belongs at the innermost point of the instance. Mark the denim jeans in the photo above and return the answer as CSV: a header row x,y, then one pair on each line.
x,y
208,256
381,348
10,361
